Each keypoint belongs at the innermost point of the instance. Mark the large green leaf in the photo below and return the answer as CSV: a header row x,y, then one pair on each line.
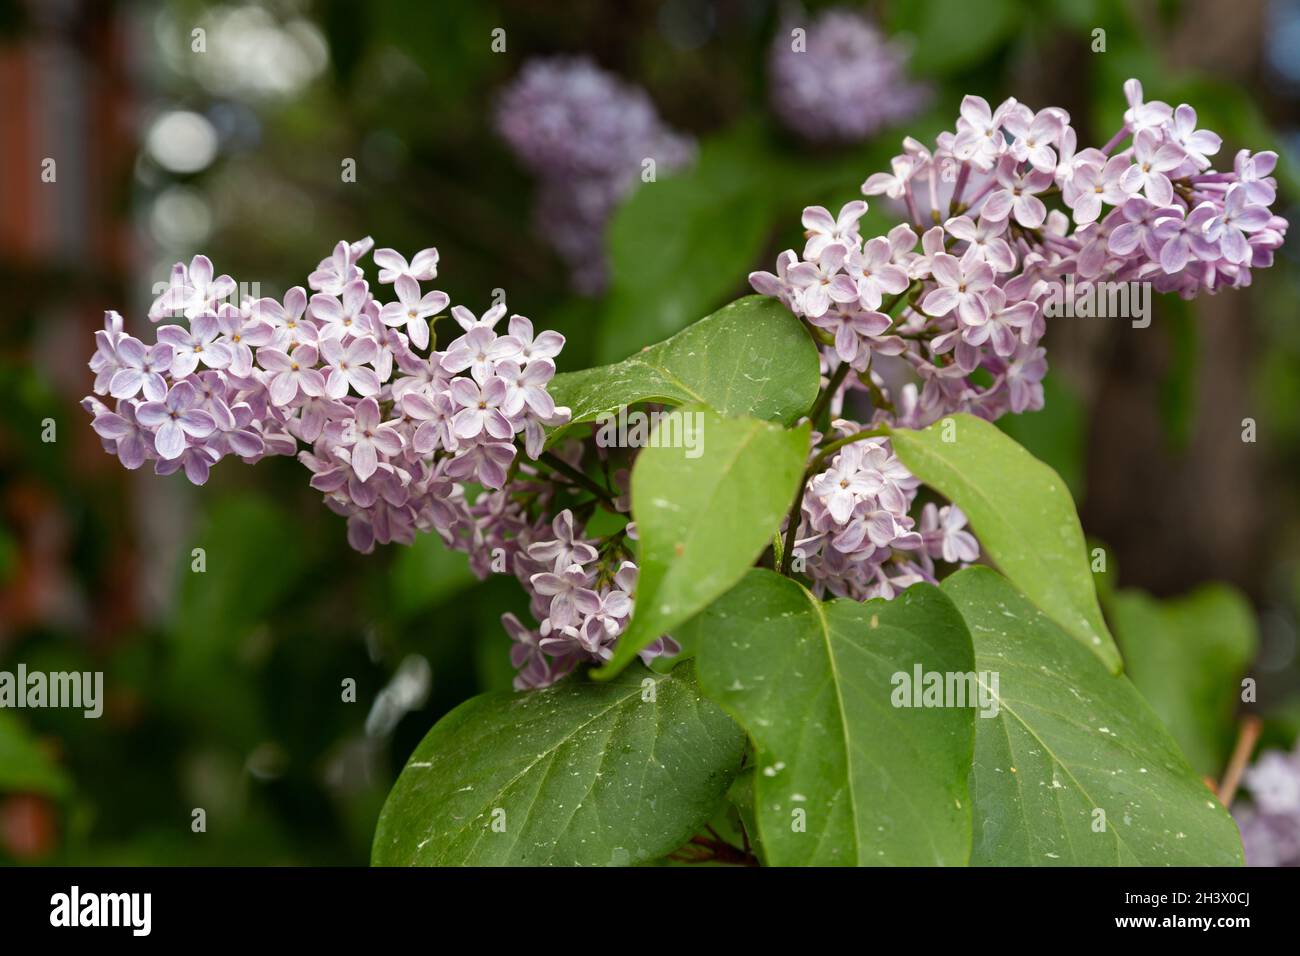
x,y
843,775
1187,657
1023,515
702,521
581,773
1075,769
679,246
751,357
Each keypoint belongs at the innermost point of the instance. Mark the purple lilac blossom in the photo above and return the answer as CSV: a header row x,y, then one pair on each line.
x,y
1270,823
914,325
844,83
391,428
585,135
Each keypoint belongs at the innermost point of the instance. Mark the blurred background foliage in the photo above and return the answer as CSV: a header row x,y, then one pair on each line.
x,y
227,689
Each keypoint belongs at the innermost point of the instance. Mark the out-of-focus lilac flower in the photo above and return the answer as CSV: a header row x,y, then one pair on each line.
x,y
131,441
1254,172
1141,116
839,79
1270,822
585,134
1197,144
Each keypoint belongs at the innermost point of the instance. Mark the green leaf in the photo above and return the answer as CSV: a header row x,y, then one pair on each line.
x,y
703,521
581,773
1187,657
679,246
24,766
751,357
1023,515
741,796
1069,740
814,684
951,35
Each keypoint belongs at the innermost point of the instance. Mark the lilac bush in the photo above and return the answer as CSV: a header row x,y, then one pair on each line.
x,y
402,437
826,401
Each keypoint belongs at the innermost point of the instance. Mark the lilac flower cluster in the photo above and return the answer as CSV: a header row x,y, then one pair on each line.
x,y
914,334
581,593
585,135
392,429
389,429
856,535
1270,825
841,79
